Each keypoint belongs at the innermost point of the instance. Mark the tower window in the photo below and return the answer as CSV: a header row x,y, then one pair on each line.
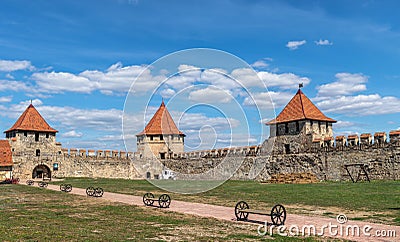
x,y
37,152
286,128
161,137
151,137
36,136
25,133
162,156
297,126
47,135
287,148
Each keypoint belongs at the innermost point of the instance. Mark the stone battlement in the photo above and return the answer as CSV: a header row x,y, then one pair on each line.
x,y
355,141
221,152
98,154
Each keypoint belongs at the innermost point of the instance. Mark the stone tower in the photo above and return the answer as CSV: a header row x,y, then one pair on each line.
x,y
36,154
298,125
160,138
6,162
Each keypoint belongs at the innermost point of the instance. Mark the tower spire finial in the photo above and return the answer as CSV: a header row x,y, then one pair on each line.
x,y
300,85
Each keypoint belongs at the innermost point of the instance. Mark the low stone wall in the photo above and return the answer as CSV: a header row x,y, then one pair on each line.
x,y
381,163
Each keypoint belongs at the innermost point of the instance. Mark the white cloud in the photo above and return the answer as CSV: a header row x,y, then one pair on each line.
x,y
284,80
9,76
361,105
6,85
293,45
346,84
260,64
219,78
70,117
72,134
268,100
187,75
119,79
343,124
247,77
210,95
193,122
116,79
57,82
8,65
6,99
167,93
323,42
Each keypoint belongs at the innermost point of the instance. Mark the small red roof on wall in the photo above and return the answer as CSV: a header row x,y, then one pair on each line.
x,y
300,108
31,120
5,153
161,123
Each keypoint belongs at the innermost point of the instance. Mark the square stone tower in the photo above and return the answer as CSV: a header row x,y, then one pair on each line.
x,y
298,125
160,138
34,148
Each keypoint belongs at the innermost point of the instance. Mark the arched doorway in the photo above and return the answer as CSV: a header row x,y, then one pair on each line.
x,y
41,171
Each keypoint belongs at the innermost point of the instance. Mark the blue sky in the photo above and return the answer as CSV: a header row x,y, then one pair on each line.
x,y
77,59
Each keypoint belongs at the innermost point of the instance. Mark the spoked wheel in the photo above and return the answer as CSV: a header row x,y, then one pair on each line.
x,y
278,215
164,201
239,213
62,187
90,191
147,199
30,182
68,187
45,184
98,192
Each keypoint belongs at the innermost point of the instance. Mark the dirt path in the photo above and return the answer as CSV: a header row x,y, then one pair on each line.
x,y
330,226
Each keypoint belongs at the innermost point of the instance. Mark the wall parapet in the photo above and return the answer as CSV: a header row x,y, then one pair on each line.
x,y
97,154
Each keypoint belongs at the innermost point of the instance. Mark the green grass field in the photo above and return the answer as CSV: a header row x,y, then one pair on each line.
x,y
378,201
35,214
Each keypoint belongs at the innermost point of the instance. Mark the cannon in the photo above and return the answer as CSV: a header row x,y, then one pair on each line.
x,y
163,200
277,214
94,192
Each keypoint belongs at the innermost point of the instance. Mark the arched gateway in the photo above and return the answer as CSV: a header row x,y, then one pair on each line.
x,y
41,171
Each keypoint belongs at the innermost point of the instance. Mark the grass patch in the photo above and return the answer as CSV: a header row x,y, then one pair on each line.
x,y
330,198
33,214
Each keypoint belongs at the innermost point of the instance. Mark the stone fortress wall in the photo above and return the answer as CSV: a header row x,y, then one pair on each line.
x,y
324,158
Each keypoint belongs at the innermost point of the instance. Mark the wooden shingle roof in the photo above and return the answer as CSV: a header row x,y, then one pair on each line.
x,y
31,120
300,108
161,123
5,153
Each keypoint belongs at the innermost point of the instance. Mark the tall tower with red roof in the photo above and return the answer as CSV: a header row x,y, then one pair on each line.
x,y
36,153
160,138
299,124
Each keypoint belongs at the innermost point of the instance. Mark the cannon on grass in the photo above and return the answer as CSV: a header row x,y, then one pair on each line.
x,y
66,187
43,184
94,192
277,214
163,200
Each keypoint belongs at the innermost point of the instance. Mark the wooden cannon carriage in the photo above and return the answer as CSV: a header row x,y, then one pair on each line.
x,y
277,214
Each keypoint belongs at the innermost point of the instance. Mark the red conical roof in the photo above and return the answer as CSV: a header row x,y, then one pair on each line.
x,y
31,120
161,123
5,153
300,108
